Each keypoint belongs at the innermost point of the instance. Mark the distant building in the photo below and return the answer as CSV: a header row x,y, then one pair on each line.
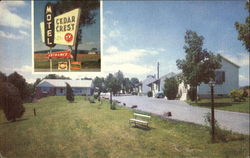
x,y
57,87
227,78
142,88
158,84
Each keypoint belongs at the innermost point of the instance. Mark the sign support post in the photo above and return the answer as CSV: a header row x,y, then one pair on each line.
x,y
50,61
70,47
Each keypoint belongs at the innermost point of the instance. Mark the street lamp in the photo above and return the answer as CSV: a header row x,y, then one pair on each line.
x,y
212,84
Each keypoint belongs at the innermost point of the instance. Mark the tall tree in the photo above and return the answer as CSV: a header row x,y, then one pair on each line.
x,y
19,82
69,93
126,85
120,79
134,82
10,101
112,85
244,29
199,64
87,16
99,82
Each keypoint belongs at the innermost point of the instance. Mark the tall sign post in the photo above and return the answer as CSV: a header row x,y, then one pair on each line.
x,y
212,84
61,29
49,28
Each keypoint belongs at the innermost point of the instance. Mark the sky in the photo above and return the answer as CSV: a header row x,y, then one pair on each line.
x,y
136,35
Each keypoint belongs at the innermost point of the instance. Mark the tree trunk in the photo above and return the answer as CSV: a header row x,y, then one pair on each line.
x,y
110,100
76,47
195,94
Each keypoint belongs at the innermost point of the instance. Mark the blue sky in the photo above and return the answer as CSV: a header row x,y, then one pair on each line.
x,y
139,34
136,35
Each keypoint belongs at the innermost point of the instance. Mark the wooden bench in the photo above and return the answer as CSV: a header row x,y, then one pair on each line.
x,y
136,121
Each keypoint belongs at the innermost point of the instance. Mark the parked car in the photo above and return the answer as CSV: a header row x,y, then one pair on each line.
x,y
159,95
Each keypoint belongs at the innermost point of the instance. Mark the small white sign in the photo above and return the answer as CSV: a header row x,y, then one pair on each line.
x,y
42,31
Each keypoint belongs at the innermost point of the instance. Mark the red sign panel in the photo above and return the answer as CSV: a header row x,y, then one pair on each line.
x,y
63,54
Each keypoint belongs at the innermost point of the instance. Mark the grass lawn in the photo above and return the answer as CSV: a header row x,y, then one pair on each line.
x,y
225,104
86,63
81,129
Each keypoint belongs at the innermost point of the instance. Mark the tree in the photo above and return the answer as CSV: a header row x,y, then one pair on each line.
x,y
134,82
199,64
54,76
3,77
19,82
170,88
10,101
113,86
69,93
120,79
127,85
99,82
244,29
87,16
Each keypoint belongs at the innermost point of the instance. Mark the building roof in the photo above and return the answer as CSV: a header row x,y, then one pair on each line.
x,y
230,61
61,83
164,77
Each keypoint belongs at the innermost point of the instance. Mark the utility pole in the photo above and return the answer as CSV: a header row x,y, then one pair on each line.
x,y
158,75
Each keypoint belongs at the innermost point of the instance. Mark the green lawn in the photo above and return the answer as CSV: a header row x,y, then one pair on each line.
x,y
225,104
86,63
85,130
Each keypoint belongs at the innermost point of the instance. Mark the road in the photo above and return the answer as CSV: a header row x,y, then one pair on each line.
x,y
235,121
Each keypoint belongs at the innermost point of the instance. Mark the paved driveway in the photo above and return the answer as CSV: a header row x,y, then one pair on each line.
x,y
235,121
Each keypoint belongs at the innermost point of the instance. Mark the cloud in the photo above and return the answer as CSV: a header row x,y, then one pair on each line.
x,y
129,69
243,80
23,33
108,12
13,3
114,33
128,61
241,59
10,19
9,35
114,55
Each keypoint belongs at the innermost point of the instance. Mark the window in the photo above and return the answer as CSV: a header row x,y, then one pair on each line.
x,y
61,90
219,77
45,89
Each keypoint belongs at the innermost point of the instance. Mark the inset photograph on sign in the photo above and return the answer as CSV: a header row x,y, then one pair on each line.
x,y
66,36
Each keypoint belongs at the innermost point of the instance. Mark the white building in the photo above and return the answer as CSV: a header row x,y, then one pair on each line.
x,y
158,84
142,88
227,79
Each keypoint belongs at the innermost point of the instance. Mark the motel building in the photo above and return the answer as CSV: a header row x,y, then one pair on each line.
x,y
227,79
57,87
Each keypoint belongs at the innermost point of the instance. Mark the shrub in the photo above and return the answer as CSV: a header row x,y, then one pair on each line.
x,y
96,95
10,101
220,135
150,93
237,95
192,93
69,93
170,88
